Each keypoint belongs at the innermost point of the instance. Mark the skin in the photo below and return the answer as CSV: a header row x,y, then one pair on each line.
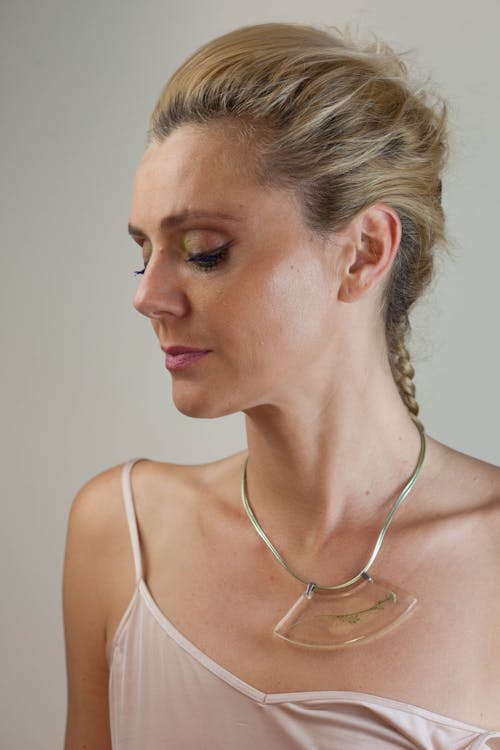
x,y
296,344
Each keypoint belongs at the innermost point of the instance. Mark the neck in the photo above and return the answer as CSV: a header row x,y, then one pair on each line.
x,y
319,464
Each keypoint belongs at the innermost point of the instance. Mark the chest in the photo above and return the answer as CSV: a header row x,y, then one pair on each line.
x,y
226,598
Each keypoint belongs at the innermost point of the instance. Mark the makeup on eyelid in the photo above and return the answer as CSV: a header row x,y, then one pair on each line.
x,y
196,241
204,260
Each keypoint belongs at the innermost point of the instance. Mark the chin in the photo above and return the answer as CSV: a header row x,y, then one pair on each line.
x,y
203,405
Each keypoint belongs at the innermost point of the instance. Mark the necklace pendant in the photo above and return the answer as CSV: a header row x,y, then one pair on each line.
x,y
330,619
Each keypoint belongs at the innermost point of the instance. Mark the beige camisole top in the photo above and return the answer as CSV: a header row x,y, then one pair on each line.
x,y
164,693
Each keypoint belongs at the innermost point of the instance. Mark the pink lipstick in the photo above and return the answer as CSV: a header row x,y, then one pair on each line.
x,y
179,357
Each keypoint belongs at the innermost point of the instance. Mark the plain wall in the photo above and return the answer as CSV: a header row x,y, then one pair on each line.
x,y
84,387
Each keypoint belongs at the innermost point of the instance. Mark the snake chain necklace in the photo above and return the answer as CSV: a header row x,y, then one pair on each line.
x,y
358,609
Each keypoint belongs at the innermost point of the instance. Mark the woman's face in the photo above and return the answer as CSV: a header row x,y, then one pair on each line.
x,y
262,296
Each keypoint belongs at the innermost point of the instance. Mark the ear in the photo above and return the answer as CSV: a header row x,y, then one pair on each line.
x,y
372,240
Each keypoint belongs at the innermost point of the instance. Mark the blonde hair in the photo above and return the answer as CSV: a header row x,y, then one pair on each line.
x,y
338,122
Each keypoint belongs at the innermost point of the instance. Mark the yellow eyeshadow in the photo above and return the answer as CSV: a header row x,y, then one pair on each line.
x,y
187,243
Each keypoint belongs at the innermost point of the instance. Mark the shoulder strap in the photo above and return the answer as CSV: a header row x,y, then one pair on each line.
x,y
131,516
482,741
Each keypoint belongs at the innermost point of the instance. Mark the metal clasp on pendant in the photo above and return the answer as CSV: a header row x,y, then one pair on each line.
x,y
310,589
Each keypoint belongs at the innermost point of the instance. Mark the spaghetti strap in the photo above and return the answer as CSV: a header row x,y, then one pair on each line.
x,y
482,741
128,501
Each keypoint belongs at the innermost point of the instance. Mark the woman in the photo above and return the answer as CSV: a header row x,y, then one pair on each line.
x,y
287,207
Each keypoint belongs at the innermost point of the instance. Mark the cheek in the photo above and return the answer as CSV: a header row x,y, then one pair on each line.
x,y
280,310
297,303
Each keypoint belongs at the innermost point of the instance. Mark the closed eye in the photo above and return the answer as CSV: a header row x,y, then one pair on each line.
x,y
203,261
208,261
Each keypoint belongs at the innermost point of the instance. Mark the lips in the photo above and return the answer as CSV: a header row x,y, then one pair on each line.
x,y
174,350
180,357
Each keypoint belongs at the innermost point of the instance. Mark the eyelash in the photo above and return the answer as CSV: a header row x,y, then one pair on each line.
x,y
205,262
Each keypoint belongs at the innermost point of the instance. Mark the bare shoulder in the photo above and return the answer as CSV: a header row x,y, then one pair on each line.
x,y
470,477
172,489
94,508
98,511
468,488
158,488
98,527
97,522
85,611
98,582
166,497
473,473
95,548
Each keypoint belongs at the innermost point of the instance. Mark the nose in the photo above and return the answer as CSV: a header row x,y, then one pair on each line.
x,y
159,292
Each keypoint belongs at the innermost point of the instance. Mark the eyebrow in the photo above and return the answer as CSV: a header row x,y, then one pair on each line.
x,y
168,222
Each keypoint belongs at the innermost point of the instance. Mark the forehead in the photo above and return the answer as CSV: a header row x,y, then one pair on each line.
x,y
193,164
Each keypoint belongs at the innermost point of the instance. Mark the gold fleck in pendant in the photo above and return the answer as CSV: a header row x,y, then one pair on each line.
x,y
330,619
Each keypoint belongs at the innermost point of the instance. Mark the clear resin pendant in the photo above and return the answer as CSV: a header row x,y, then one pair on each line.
x,y
329,619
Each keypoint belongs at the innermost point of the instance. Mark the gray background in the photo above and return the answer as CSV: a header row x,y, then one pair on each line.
x,y
83,381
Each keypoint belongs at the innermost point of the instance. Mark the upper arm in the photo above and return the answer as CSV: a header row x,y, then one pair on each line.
x,y
85,613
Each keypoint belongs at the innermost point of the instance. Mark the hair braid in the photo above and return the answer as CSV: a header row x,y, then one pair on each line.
x,y
403,373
